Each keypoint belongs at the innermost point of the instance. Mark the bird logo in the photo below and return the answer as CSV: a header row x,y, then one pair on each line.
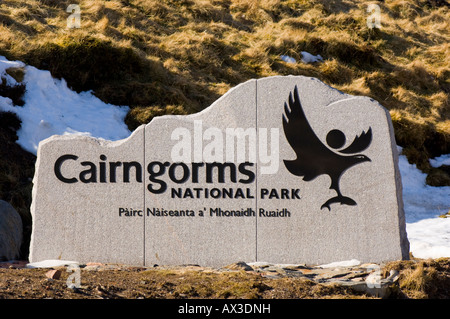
x,y
313,157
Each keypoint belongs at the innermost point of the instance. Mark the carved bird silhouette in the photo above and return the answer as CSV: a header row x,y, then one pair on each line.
x,y
313,157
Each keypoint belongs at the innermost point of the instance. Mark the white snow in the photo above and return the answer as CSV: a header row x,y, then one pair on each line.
x,y
50,263
4,65
421,200
52,108
344,263
428,234
429,238
441,160
306,58
309,58
288,59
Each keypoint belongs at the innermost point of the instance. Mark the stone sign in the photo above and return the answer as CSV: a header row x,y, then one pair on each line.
x,y
280,169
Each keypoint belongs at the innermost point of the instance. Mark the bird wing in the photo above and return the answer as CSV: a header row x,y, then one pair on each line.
x,y
360,143
313,157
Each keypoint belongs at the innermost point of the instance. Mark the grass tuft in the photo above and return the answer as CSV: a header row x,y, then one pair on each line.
x,y
422,279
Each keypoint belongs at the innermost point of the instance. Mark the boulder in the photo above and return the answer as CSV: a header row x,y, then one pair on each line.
x,y
10,232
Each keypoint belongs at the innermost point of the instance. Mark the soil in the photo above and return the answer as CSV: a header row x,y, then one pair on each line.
x,y
127,282
417,279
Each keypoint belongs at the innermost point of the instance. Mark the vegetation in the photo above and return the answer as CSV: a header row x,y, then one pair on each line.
x,y
178,56
417,279
422,279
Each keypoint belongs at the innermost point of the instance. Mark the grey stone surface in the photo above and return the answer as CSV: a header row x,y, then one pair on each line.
x,y
80,221
10,232
205,240
373,230
170,214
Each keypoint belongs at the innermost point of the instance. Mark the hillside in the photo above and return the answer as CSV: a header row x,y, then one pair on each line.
x,y
179,56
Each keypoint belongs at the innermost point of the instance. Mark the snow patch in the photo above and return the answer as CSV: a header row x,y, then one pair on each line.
x,y
51,108
344,263
309,58
421,201
50,263
429,238
306,58
288,59
441,160
428,234
4,65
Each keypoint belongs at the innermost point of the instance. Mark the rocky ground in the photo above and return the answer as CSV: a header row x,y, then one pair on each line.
x,y
404,279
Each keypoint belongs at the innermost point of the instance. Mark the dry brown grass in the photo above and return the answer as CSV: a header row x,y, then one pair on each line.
x,y
204,47
422,279
186,283
417,279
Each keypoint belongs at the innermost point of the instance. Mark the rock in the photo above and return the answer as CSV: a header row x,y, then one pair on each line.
x,y
273,145
382,289
240,265
294,267
50,263
326,225
53,274
104,229
94,264
10,232
334,274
